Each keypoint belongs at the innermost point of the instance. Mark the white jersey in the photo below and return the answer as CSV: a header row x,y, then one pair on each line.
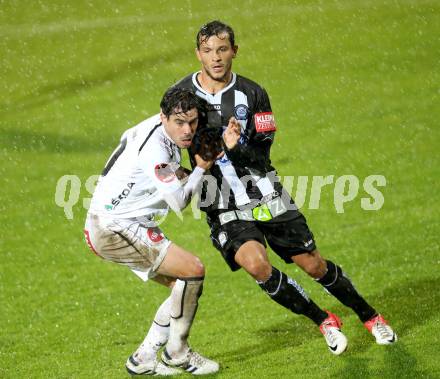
x,y
139,178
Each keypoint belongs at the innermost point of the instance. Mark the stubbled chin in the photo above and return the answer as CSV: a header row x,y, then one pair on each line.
x,y
185,144
218,74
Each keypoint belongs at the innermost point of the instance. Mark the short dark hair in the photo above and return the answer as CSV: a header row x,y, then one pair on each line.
x,y
214,28
181,100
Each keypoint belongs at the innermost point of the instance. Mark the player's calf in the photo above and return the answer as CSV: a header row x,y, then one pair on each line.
x,y
184,302
288,293
336,282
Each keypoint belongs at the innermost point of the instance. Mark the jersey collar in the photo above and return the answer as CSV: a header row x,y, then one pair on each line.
x,y
166,134
199,87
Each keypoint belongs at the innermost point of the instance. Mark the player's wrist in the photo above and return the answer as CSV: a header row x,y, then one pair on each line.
x,y
231,146
199,169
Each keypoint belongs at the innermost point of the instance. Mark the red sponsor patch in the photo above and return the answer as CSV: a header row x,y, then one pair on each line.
x,y
264,122
155,234
164,173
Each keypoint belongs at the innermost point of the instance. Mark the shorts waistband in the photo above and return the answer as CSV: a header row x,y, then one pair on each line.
x,y
263,212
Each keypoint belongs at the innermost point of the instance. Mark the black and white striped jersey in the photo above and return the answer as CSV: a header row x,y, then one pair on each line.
x,y
245,174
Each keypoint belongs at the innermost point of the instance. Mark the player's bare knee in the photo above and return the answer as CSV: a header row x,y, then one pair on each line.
x,y
197,268
259,270
315,266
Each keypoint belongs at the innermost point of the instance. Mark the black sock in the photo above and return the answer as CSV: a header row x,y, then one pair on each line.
x,y
335,282
291,295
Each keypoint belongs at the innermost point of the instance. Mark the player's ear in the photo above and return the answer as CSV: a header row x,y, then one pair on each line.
x,y
163,118
198,54
235,49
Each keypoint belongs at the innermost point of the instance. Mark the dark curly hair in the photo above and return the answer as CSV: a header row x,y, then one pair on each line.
x,y
214,28
181,100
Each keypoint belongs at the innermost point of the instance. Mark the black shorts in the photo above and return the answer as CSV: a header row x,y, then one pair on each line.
x,y
287,235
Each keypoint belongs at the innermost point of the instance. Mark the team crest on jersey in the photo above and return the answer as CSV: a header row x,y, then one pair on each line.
x,y
264,122
164,172
155,235
241,112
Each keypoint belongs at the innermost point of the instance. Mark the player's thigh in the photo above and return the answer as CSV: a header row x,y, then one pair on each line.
x,y
127,242
229,238
288,235
180,263
252,256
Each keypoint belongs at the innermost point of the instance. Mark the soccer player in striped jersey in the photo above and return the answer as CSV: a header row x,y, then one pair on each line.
x,y
249,207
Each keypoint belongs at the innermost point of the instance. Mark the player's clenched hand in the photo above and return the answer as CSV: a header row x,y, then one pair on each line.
x,y
182,173
206,164
231,134
207,143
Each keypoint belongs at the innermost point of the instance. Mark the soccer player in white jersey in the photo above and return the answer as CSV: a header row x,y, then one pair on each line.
x,y
140,182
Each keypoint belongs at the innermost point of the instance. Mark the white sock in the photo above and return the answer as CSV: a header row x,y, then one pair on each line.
x,y
185,296
158,334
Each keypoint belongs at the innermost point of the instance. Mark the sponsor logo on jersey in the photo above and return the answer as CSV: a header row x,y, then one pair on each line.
x,y
241,112
262,213
155,235
214,107
264,122
164,172
125,192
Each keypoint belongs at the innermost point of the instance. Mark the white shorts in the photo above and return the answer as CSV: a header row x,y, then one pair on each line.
x,y
129,242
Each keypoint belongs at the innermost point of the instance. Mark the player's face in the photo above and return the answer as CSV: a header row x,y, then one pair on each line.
x,y
181,127
216,54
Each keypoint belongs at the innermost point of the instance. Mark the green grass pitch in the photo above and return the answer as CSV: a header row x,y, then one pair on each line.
x,y
355,89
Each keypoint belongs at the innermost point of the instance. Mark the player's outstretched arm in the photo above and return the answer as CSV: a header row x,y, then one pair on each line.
x,y
177,195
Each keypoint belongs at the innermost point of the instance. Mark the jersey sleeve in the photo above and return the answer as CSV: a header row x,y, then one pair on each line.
x,y
256,152
159,166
